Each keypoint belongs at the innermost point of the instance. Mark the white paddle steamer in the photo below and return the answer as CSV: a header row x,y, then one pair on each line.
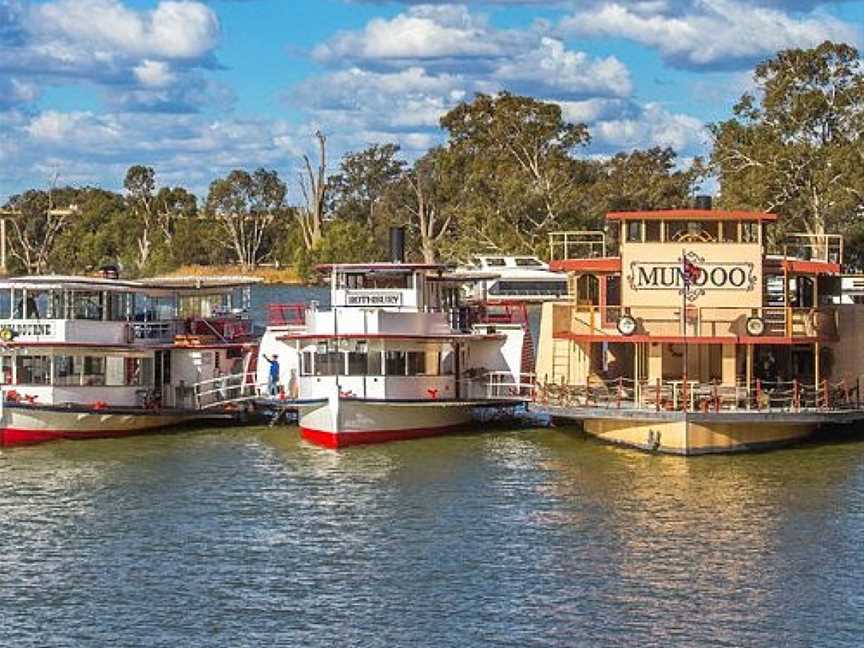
x,y
87,357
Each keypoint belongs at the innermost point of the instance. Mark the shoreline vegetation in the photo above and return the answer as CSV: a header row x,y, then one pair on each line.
x,y
267,274
509,171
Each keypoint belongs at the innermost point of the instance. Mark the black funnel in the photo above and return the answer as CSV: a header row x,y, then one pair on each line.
x,y
397,244
703,202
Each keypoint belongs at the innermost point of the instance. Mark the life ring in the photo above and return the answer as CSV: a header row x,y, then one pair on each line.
x,y
99,405
12,396
7,334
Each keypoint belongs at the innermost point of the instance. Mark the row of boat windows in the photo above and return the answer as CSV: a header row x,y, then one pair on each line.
x,y
651,231
71,371
529,288
17,303
375,363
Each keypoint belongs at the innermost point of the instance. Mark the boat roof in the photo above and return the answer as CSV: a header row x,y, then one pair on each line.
x,y
386,267
692,214
73,282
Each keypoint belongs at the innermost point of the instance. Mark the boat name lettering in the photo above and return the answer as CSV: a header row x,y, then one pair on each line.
x,y
374,299
32,330
712,276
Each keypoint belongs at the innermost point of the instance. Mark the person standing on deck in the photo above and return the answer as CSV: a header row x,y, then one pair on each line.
x,y
273,384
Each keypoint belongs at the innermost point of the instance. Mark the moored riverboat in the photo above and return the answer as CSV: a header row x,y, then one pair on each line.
x,y
89,357
697,337
397,355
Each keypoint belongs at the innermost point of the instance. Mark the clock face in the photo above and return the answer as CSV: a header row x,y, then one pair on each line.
x,y
755,326
627,325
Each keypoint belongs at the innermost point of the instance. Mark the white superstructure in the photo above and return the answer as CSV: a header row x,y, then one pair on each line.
x,y
523,278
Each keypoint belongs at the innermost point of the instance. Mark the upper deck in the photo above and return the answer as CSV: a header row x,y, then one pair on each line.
x,y
737,277
71,310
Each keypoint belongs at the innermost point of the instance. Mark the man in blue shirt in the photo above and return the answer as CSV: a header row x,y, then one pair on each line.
x,y
273,384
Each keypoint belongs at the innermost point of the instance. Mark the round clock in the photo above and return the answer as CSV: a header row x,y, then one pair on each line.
x,y
626,325
755,326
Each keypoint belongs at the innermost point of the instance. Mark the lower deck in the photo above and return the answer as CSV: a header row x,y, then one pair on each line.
x,y
694,433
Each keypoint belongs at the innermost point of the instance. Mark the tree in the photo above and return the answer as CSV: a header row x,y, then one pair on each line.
x,y
313,186
795,146
644,179
246,206
425,206
171,205
140,183
508,163
40,217
360,189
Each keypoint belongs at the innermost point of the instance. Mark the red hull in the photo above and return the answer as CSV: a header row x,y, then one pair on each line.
x,y
13,437
335,440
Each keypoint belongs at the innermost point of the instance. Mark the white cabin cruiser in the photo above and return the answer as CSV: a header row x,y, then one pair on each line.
x,y
523,278
86,357
396,356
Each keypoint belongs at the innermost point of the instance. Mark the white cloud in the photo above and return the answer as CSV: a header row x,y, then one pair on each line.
x,y
423,32
653,126
553,66
154,74
711,33
173,30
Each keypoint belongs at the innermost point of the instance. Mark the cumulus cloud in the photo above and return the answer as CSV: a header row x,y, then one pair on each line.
x,y
709,33
652,125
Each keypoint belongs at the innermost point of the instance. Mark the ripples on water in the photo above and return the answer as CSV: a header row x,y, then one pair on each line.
x,y
249,537
542,538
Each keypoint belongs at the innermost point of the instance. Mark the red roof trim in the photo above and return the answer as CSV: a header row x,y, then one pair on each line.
x,y
690,340
385,336
327,267
810,267
605,264
694,214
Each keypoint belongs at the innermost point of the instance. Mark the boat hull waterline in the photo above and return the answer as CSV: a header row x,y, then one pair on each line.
x,y
28,425
338,423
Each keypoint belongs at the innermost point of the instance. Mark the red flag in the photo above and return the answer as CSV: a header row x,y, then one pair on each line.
x,y
691,272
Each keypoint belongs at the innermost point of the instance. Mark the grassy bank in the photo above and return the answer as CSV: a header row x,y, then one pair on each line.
x,y
269,274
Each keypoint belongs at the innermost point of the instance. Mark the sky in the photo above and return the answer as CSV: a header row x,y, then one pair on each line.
x,y
197,88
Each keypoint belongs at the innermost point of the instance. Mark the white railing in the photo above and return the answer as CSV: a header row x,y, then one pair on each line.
x,y
227,390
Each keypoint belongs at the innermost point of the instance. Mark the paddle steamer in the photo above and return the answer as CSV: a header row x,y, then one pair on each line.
x,y
397,355
85,357
697,337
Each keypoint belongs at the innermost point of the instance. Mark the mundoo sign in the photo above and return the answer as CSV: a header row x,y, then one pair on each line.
x,y
669,275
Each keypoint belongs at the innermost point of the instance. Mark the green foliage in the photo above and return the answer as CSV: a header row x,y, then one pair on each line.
x,y
343,242
794,147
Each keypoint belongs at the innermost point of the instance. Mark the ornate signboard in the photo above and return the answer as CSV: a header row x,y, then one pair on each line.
x,y
709,276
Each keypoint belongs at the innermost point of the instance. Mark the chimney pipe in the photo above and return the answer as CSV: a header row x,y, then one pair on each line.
x,y
703,202
397,244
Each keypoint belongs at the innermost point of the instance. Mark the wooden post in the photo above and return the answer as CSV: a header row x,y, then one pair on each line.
x,y
758,394
816,364
657,395
3,245
749,371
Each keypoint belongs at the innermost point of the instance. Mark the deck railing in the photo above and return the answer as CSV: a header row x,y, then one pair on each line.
x,y
588,244
694,396
286,314
709,322
827,248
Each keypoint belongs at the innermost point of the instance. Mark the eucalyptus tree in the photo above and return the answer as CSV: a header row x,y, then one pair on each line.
x,y
796,144
247,206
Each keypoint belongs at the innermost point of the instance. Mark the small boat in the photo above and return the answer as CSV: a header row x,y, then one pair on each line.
x,y
87,357
397,355
523,278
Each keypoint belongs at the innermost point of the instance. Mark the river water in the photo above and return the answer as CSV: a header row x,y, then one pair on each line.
x,y
251,537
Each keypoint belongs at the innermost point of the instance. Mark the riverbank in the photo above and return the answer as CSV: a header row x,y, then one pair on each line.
x,y
268,274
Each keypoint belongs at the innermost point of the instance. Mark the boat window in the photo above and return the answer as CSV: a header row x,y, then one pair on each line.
x,y
87,305
67,370
5,304
328,360
5,370
494,262
307,364
93,371
416,363
202,306
138,372
154,309
118,306
555,288
750,232
33,370
634,231
528,262
588,290
652,231
33,306
394,363
358,360
693,231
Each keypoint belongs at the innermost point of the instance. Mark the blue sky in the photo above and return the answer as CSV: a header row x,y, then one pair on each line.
x,y
196,88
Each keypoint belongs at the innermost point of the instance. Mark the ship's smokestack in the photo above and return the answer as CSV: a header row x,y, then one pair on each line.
x,y
703,202
397,244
